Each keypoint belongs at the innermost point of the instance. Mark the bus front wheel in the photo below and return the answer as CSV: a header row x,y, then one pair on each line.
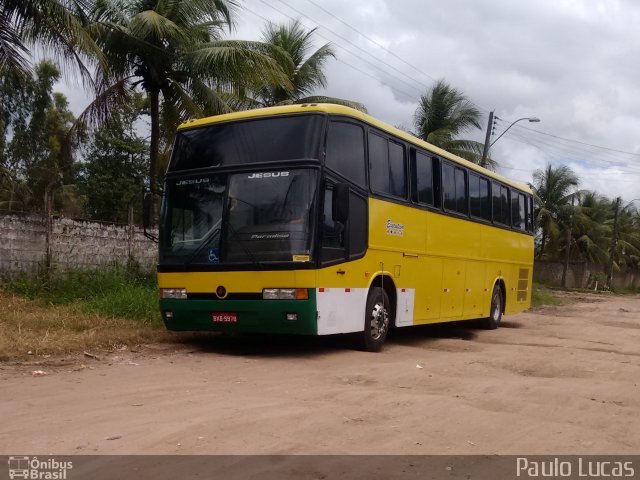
x,y
497,308
377,319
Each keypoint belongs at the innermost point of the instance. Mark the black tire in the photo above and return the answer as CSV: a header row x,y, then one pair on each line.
x,y
496,310
377,320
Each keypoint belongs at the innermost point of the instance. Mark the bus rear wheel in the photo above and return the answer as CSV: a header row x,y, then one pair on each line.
x,y
377,319
497,308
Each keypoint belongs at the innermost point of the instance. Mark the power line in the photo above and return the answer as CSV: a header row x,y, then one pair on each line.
x,y
418,82
372,40
597,155
572,156
408,95
591,156
600,147
484,110
581,143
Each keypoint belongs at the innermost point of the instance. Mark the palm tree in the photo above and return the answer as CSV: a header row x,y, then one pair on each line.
x,y
626,250
590,230
553,188
57,25
291,46
443,114
173,51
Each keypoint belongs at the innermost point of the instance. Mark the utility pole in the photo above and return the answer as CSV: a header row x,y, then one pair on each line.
x,y
569,237
485,150
613,244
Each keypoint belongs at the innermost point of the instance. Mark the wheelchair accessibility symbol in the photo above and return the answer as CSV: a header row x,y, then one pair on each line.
x,y
214,255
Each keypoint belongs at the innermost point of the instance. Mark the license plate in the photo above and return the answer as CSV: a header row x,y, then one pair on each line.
x,y
224,317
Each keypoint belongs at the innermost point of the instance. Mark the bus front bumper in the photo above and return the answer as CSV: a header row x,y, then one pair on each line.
x,y
243,316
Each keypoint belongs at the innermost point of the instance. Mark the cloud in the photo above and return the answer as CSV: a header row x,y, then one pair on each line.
x,y
571,63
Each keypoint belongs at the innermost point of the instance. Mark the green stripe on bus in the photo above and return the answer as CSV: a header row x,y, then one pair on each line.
x,y
253,316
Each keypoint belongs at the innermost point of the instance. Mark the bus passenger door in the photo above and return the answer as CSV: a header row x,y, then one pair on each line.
x,y
453,279
474,286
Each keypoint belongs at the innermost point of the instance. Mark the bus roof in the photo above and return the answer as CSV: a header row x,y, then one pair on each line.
x,y
330,108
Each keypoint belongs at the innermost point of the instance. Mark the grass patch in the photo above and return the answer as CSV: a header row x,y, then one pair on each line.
x,y
78,310
627,291
113,292
543,295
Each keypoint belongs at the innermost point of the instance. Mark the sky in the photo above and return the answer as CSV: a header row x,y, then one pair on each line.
x,y
573,64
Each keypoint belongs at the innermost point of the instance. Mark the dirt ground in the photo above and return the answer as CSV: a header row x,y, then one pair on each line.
x,y
554,380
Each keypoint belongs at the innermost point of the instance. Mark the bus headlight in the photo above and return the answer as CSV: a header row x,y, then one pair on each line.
x,y
175,293
288,293
285,294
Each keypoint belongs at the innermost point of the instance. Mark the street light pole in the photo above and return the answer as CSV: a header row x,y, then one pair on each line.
x,y
485,150
488,145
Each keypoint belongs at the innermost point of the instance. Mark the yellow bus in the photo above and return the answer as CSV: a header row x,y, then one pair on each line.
x,y
318,219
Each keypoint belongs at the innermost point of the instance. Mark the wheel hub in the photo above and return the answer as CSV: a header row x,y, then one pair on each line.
x,y
379,321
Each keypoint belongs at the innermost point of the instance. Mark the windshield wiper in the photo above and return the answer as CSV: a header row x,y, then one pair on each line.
x,y
246,250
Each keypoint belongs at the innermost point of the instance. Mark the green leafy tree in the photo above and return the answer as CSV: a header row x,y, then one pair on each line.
x,y
443,114
114,168
552,188
173,51
292,47
35,122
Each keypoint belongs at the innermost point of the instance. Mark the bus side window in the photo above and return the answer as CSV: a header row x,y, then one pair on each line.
x,y
474,195
422,177
448,187
498,214
485,200
518,210
530,215
333,232
479,197
501,204
397,170
505,204
378,163
358,225
345,151
387,167
454,188
337,237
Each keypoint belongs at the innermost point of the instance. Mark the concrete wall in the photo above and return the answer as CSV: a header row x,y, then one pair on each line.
x,y
73,243
580,274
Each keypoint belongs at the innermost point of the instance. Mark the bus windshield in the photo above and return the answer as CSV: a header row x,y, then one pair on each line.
x,y
252,217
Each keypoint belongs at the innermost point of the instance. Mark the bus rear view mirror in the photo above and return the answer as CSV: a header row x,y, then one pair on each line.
x,y
340,202
147,209
148,213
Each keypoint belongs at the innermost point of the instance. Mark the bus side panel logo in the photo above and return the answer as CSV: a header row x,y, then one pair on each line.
x,y
395,229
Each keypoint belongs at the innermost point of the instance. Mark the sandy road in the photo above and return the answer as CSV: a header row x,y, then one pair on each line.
x,y
556,380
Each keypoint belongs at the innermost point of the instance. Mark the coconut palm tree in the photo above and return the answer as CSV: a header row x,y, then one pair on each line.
x,y
292,47
173,51
553,188
57,25
442,115
590,231
626,250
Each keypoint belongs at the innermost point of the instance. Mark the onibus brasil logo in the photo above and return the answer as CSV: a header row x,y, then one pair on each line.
x,y
32,468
